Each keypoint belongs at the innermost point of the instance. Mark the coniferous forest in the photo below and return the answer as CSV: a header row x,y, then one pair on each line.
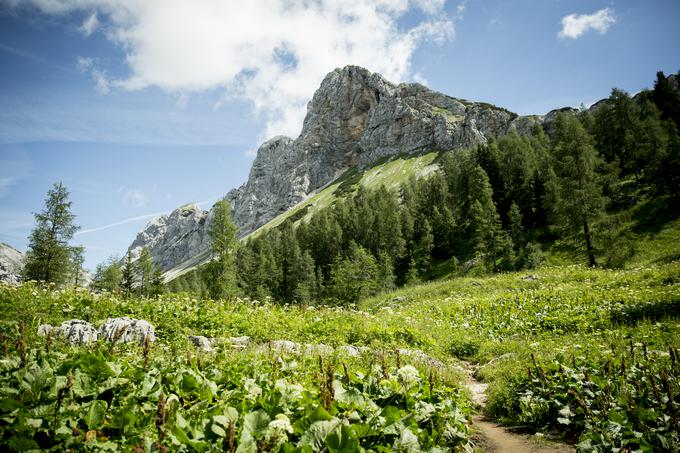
x,y
572,185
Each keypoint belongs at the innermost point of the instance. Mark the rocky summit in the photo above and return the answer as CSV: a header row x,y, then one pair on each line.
x,y
355,119
11,261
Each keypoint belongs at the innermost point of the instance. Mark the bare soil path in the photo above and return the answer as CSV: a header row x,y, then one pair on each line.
x,y
492,437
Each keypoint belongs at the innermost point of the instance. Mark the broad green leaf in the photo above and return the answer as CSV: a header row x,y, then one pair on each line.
x,y
217,429
342,439
96,414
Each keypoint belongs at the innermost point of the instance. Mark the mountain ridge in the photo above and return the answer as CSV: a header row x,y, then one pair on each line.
x,y
355,119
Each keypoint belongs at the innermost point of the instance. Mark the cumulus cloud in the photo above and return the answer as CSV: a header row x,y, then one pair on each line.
x,y
89,25
575,25
273,53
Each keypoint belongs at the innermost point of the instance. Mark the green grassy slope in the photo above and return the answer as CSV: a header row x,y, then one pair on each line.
x,y
391,173
586,354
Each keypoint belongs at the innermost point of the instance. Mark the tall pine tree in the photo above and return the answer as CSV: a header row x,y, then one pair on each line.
x,y
222,270
49,256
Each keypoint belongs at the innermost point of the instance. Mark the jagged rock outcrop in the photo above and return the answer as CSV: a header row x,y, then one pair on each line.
x,y
125,330
11,261
174,238
355,118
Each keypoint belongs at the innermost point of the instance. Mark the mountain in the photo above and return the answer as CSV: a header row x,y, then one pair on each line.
x,y
11,261
355,119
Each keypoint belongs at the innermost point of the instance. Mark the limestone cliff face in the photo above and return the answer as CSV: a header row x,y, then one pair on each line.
x,y
174,238
357,118
11,261
354,119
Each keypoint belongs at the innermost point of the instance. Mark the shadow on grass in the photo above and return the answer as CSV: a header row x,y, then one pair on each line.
x,y
650,311
652,215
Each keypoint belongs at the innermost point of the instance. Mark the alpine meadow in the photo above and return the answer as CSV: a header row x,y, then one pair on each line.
x,y
412,272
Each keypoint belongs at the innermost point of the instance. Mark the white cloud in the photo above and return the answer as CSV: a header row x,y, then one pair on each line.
x,y
273,53
135,197
575,25
419,78
101,81
90,25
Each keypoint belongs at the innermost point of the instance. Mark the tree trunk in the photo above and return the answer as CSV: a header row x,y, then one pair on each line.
x,y
589,245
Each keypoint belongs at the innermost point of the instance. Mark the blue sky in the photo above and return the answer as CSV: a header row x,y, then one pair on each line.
x,y
140,106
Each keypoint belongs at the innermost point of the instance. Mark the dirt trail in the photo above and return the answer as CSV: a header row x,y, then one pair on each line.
x,y
491,437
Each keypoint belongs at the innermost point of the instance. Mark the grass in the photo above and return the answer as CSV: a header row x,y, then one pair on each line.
x,y
391,173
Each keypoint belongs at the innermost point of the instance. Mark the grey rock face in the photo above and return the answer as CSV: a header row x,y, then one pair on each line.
x,y
127,330
355,118
11,262
77,331
174,238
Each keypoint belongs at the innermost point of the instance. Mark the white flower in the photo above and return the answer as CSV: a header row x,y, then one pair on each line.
x,y
278,430
408,376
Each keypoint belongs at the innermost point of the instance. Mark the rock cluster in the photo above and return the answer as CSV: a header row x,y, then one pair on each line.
x,y
77,331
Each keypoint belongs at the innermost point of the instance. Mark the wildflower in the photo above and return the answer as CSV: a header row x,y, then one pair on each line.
x,y
278,430
408,376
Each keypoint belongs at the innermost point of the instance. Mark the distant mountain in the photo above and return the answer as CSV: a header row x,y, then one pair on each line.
x,y
11,261
355,120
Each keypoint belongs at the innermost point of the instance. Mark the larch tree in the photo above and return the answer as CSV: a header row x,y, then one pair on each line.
x,y
127,273
222,270
578,199
49,255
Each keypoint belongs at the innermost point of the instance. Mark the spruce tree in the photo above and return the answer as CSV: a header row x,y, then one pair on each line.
x,y
222,270
127,273
578,199
157,285
144,268
48,257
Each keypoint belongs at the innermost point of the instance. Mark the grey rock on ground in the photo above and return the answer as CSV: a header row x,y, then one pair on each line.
x,y
349,350
45,330
285,346
127,330
239,342
203,343
77,332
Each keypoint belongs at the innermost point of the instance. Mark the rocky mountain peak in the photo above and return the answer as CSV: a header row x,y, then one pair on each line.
x,y
355,118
